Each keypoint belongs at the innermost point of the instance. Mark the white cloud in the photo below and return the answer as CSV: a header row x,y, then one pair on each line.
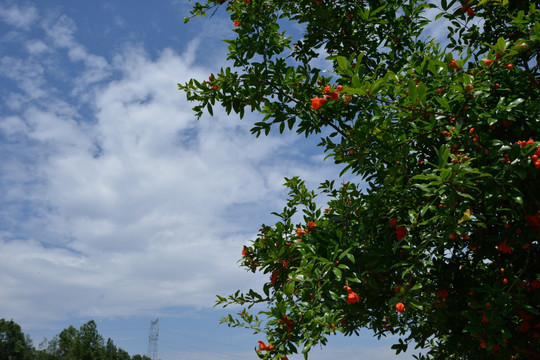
x,y
21,17
60,30
135,206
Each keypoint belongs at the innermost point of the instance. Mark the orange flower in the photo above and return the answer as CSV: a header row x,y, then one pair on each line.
x,y
317,102
400,232
352,297
311,225
400,307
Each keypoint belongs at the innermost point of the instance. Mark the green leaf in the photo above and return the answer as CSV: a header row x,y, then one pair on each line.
x,y
343,64
444,103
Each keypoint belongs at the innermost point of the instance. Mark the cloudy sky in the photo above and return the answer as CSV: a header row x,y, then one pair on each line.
x,y
117,204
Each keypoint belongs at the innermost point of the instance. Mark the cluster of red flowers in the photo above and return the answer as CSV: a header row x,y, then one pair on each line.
x,y
329,93
211,79
534,157
352,297
300,231
525,324
264,347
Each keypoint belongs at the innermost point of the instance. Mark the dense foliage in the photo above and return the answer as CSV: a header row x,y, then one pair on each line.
x,y
434,109
71,344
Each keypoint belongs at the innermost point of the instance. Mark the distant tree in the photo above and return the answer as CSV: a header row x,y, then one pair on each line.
x,y
13,343
140,357
89,344
66,344
122,354
71,344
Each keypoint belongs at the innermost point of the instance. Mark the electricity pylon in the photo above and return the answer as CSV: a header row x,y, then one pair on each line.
x,y
152,339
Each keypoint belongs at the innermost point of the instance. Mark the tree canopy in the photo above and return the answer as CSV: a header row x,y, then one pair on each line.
x,y
71,344
433,109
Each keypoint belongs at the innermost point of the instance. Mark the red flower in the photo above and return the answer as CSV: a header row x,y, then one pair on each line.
x,y
339,88
453,64
237,23
488,62
288,322
534,220
274,277
352,297
400,232
484,318
393,222
317,102
400,307
311,225
300,232
334,95
244,252
525,316
504,248
524,327
483,344
398,288
443,294
535,284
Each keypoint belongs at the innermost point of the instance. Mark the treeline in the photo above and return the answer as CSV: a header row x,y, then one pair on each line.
x,y
71,344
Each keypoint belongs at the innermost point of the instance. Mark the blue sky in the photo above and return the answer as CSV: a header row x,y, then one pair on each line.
x,y
117,204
